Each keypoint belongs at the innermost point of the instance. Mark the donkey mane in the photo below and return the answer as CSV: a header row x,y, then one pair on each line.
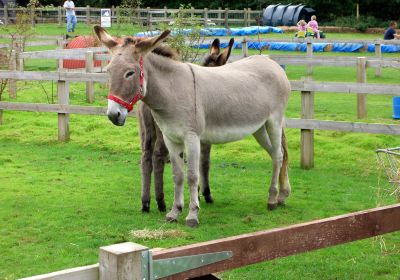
x,y
163,50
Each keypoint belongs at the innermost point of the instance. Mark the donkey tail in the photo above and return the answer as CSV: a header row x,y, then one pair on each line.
x,y
285,162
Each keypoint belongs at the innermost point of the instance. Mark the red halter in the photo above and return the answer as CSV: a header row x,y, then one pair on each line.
x,y
138,95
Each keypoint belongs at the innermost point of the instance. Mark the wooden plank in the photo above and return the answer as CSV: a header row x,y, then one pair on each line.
x,y
375,128
63,118
281,242
121,261
361,97
62,53
378,54
12,83
310,57
54,76
307,135
345,87
89,69
90,272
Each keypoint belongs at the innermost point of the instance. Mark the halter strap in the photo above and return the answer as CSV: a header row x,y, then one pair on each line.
x,y
138,95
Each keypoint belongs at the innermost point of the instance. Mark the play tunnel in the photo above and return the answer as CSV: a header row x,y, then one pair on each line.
x,y
289,15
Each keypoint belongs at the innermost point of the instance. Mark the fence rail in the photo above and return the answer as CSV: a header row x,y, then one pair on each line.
x,y
145,15
246,249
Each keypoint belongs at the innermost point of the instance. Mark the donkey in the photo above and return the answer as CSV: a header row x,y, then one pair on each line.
x,y
154,151
249,97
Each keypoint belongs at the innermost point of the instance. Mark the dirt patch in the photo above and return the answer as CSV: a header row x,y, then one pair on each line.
x,y
156,234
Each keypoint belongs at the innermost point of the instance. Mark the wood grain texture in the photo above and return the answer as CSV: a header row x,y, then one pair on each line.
x,y
281,242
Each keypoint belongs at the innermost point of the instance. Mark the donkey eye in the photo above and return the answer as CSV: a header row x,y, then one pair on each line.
x,y
129,74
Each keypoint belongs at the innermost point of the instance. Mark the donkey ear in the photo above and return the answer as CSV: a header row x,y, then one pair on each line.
x,y
150,44
104,37
215,47
223,57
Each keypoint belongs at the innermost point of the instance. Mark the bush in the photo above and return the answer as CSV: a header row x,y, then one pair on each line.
x,y
361,24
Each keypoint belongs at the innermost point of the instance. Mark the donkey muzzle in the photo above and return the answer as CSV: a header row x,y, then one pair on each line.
x,y
116,113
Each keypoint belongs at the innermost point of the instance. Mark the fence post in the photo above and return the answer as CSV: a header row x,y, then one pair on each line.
x,y
148,17
87,14
219,15
226,17
60,62
112,13
12,84
59,15
122,261
307,135
63,119
32,12
19,61
5,14
361,97
248,16
117,14
205,17
89,85
165,15
245,50
378,54
309,55
245,17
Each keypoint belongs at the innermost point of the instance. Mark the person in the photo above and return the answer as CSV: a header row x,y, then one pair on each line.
x,y
390,33
313,25
301,26
69,7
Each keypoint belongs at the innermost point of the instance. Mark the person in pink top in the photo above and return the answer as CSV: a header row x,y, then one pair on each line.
x,y
313,24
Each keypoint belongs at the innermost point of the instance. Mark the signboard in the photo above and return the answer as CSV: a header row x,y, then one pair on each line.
x,y
105,18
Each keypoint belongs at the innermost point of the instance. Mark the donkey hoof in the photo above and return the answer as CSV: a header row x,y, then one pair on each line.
x,y
281,203
272,206
171,219
146,207
208,198
161,206
192,222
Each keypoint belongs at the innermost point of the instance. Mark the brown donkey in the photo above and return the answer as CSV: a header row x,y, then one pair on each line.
x,y
193,105
154,151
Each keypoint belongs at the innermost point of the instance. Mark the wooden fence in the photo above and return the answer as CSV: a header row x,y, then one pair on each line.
x,y
307,87
148,16
134,261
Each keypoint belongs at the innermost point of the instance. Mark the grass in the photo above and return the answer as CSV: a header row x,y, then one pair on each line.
x,y
60,202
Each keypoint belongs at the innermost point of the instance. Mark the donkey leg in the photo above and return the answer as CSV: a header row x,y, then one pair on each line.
x,y
284,185
274,129
159,155
147,138
192,143
204,172
177,170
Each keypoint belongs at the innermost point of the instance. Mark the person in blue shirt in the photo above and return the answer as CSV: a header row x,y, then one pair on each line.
x,y
390,33
69,7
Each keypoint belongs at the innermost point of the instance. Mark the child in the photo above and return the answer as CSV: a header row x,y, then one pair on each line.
x,y
301,26
313,24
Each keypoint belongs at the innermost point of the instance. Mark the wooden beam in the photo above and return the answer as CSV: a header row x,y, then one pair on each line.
x,y
307,135
90,272
286,241
361,97
358,127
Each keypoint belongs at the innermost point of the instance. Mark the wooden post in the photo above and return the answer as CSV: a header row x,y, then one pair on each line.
x,y
60,62
148,18
87,14
307,135
122,261
89,85
248,16
5,14
205,17
165,14
59,15
357,11
361,97
219,15
12,84
63,119
118,14
112,13
245,17
309,55
226,17
378,54
245,50
32,12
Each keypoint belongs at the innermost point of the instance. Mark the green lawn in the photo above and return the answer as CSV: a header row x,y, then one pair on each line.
x,y
59,202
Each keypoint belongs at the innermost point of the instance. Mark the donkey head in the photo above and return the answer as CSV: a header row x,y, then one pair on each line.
x,y
215,58
125,72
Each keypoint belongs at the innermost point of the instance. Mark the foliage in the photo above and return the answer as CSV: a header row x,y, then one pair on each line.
x,y
361,24
182,42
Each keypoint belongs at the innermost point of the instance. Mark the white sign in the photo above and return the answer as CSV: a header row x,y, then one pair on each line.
x,y
105,18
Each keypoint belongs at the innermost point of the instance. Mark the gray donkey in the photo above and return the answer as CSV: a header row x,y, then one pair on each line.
x,y
247,97
154,151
